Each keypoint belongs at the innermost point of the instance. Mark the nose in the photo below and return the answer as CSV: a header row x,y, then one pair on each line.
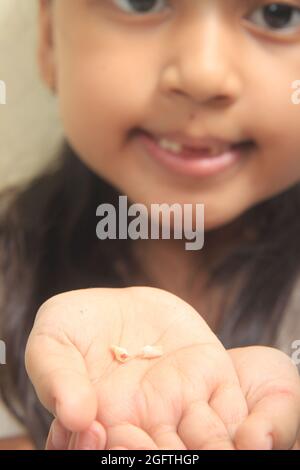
x,y
204,65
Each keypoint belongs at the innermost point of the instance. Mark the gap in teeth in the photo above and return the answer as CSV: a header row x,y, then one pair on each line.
x,y
176,147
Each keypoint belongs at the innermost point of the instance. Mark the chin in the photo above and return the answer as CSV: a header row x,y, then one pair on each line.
x,y
215,222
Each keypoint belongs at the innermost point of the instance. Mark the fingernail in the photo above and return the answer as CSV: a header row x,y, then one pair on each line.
x,y
265,443
59,436
269,442
88,440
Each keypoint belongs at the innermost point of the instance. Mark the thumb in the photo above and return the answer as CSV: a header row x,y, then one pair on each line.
x,y
60,378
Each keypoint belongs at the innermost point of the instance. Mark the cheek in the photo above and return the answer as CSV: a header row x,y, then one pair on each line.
x,y
282,151
101,99
276,127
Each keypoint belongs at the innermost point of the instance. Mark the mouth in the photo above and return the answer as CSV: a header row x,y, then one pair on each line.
x,y
203,156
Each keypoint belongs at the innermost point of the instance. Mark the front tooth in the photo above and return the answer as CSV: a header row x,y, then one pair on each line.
x,y
170,145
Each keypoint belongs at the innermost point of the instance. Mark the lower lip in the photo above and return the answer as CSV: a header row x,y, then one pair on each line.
x,y
199,164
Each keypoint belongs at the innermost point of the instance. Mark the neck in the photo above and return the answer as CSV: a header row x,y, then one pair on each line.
x,y
166,264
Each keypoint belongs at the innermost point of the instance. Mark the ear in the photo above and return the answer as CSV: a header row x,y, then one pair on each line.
x,y
46,49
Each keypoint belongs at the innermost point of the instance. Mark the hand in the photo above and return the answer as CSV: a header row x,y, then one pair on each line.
x,y
190,398
271,385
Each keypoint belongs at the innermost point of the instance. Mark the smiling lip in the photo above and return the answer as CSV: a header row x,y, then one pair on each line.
x,y
203,158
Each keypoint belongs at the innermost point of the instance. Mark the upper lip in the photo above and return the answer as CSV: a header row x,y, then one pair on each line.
x,y
208,142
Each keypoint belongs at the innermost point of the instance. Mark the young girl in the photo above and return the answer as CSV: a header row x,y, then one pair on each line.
x,y
213,76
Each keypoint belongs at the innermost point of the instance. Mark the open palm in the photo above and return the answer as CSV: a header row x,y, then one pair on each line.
x,y
189,398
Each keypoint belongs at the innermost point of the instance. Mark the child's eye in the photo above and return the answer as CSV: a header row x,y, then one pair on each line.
x,y
141,6
276,17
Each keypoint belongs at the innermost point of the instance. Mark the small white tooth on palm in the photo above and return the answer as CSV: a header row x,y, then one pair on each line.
x,y
121,354
147,352
151,352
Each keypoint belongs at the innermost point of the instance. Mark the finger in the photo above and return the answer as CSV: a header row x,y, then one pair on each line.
x,y
296,446
61,382
201,428
117,448
272,388
129,436
166,438
230,405
93,438
58,437
272,424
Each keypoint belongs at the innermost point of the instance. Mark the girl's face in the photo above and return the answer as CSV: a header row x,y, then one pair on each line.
x,y
218,69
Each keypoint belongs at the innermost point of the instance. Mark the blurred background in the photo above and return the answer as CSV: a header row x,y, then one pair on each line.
x,y
29,118
30,130
29,126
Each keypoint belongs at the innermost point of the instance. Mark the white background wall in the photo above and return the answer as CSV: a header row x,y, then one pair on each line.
x,y
29,126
